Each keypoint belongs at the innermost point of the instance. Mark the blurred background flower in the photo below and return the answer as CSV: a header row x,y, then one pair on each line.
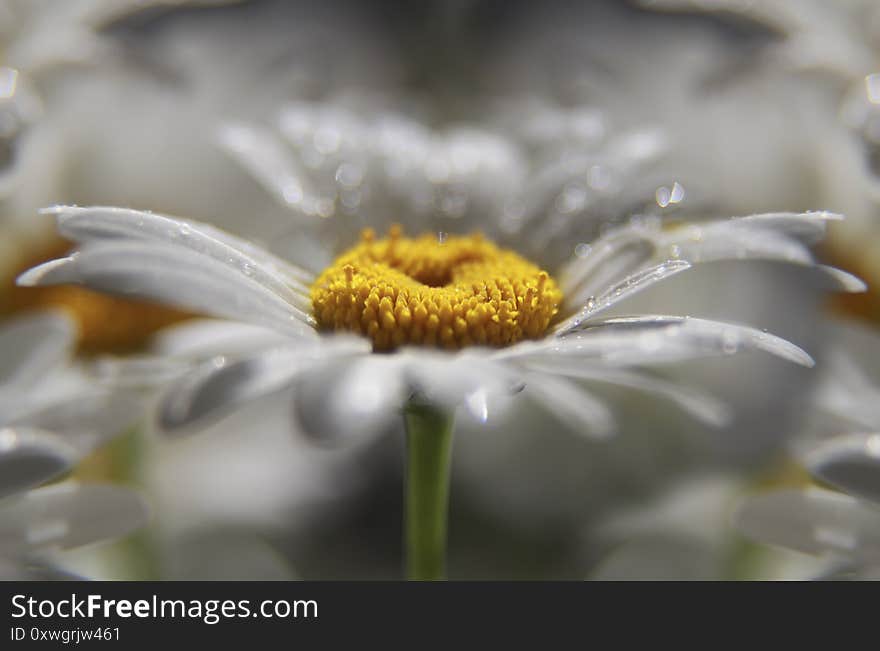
x,y
52,419
840,449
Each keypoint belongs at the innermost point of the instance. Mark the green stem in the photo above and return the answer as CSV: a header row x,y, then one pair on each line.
x,y
428,452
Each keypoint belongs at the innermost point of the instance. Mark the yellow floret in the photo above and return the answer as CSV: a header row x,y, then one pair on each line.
x,y
450,293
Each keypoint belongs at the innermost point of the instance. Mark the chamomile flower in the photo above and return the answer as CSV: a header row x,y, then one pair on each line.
x,y
51,418
457,320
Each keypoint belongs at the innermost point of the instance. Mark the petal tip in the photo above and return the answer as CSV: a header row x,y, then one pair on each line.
x,y
38,275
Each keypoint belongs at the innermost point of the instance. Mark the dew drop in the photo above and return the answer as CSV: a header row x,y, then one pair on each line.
x,y
662,195
582,250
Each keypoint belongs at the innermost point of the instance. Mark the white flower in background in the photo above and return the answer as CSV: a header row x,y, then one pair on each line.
x,y
841,449
178,79
840,37
552,340
38,35
51,418
321,160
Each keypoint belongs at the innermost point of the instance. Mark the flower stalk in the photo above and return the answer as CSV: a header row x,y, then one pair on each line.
x,y
426,489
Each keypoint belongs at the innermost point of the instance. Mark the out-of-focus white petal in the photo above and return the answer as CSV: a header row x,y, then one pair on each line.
x,y
88,419
851,463
847,392
138,372
470,380
814,521
219,386
29,457
702,406
31,346
571,404
173,275
351,400
201,338
268,160
69,515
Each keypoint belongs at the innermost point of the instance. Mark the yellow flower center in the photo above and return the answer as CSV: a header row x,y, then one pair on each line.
x,y
450,291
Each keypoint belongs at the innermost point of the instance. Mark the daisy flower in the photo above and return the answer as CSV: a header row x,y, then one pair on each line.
x,y
52,418
839,521
426,324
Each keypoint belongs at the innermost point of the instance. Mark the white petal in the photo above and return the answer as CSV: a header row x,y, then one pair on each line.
x,y
702,406
176,276
30,347
731,241
293,274
68,515
29,457
85,225
571,404
203,338
618,292
846,391
454,380
842,281
351,399
653,339
814,521
267,160
138,372
87,420
220,386
808,227
851,463
775,236
612,256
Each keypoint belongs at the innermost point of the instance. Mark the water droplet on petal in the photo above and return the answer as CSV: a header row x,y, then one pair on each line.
x,y
662,195
582,250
